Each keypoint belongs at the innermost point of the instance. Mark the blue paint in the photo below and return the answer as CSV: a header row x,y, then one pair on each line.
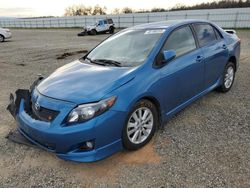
x,y
175,85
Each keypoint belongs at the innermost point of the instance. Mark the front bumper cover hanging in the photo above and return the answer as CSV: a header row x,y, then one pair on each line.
x,y
14,101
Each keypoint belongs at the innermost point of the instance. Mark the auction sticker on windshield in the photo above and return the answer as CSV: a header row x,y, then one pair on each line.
x,y
155,31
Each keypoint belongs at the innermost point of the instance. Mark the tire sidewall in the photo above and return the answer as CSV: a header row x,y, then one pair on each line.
x,y
111,30
1,38
94,32
126,142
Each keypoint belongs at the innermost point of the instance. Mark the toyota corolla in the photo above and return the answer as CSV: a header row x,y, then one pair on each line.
x,y
116,96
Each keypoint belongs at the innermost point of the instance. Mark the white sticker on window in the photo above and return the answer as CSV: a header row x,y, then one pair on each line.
x,y
154,31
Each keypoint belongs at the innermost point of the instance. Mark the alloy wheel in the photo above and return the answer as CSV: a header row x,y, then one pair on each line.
x,y
229,77
140,125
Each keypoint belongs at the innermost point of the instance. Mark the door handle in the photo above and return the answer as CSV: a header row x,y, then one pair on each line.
x,y
199,58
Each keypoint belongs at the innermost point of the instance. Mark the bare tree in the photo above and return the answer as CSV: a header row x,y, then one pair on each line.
x,y
116,11
79,10
97,10
127,10
158,10
214,5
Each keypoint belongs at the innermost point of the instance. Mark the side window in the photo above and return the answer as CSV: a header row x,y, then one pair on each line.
x,y
181,41
105,22
205,34
100,22
110,21
218,34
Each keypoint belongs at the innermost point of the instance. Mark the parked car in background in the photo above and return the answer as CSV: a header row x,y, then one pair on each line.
x,y
101,26
4,34
117,95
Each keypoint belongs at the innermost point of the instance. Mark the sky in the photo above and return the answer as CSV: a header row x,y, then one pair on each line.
x,y
33,8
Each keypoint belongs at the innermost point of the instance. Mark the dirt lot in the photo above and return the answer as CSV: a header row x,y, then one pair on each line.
x,y
205,145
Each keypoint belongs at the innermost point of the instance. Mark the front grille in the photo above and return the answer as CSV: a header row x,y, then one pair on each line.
x,y
43,114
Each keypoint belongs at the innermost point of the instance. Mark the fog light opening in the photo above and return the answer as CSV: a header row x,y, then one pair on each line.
x,y
88,145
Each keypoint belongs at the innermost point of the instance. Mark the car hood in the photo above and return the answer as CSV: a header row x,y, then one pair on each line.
x,y
79,82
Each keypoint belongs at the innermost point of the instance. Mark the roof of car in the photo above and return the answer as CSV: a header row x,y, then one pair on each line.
x,y
166,24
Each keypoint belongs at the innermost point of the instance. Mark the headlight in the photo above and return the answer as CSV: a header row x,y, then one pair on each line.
x,y
87,111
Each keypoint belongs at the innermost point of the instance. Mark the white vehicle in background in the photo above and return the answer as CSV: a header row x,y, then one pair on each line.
x,y
4,34
101,26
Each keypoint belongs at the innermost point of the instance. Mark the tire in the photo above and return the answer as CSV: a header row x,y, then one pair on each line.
x,y
228,78
1,38
93,32
81,34
137,133
111,30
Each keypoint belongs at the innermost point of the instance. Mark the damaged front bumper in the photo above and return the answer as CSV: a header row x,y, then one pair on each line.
x,y
55,136
20,94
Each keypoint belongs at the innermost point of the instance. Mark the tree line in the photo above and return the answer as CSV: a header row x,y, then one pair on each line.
x,y
79,10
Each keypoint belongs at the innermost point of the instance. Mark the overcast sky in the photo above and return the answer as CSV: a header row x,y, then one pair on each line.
x,y
23,8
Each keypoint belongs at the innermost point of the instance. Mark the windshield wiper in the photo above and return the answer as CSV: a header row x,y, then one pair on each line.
x,y
108,61
94,62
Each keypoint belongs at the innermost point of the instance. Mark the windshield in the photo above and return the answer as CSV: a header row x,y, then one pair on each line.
x,y
129,47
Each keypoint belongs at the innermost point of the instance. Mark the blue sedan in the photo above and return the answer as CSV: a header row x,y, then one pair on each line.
x,y
116,96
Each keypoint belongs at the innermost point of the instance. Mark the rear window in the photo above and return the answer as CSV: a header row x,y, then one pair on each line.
x,y
205,34
218,34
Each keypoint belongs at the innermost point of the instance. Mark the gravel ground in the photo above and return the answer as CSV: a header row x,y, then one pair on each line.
x,y
205,145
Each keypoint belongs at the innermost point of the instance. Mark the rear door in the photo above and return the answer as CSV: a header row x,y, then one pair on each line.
x,y
106,25
183,77
215,52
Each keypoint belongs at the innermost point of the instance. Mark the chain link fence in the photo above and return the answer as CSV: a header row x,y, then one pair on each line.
x,y
226,18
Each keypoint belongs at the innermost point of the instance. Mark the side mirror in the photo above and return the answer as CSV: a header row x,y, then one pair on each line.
x,y
168,55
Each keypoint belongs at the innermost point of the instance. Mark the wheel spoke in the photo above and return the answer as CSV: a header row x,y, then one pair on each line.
x,y
134,138
148,118
145,114
140,113
139,136
231,77
131,125
130,132
230,71
148,126
135,117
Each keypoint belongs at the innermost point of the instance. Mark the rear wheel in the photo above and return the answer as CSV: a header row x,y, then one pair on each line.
x,y
1,38
111,30
228,78
140,126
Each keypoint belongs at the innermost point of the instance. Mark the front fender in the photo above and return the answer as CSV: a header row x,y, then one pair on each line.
x,y
141,86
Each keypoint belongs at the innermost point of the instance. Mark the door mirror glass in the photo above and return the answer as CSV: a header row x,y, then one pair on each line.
x,y
168,55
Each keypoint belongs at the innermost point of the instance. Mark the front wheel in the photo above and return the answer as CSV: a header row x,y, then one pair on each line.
x,y
140,125
1,38
228,78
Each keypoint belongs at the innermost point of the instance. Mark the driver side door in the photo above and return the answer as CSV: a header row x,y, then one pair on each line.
x,y
100,26
183,77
